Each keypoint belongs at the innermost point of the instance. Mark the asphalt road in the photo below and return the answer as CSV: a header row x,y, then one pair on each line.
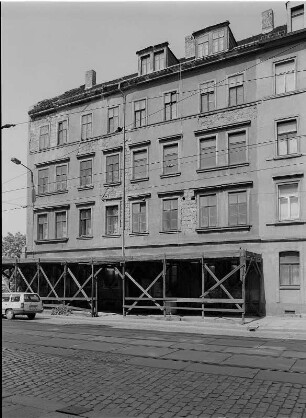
x,y
68,370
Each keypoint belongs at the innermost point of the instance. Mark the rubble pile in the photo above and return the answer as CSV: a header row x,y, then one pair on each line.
x,y
61,310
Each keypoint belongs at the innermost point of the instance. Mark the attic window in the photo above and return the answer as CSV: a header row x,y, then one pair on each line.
x,y
159,61
145,64
297,18
218,41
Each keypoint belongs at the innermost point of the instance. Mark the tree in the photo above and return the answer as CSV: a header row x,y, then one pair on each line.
x,y
12,245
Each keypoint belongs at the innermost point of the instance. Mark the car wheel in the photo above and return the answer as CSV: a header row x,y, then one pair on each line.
x,y
9,314
31,315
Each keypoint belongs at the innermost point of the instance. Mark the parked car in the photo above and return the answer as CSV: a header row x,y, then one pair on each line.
x,y
20,303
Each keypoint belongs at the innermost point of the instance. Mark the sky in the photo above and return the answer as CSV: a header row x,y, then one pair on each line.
x,y
46,48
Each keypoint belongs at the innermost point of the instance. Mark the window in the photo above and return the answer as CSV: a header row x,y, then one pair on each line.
x,y
112,218
159,61
235,90
208,153
86,126
170,159
43,181
289,268
15,299
112,168
284,76
42,227
60,224
85,222
237,208
237,148
140,164
171,105
203,46
297,18
145,64
44,139
85,173
139,221
113,119
287,141
218,41
62,133
288,202
208,211
207,96
170,215
140,113
61,177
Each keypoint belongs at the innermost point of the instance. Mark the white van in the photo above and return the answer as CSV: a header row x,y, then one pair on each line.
x,y
19,303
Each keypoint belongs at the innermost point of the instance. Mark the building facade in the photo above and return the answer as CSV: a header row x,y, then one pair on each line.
x,y
197,154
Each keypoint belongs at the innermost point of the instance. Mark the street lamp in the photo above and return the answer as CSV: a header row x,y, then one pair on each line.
x,y
18,162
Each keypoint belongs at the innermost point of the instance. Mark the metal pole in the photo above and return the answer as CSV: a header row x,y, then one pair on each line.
x,y
123,173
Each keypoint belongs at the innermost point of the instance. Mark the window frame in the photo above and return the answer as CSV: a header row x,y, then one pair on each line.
x,y
91,222
48,183
163,199
171,103
82,186
203,139
56,183
91,131
111,204
247,194
278,212
233,132
293,9
168,145
133,152
216,194
108,119
283,61
49,137
58,131
55,223
289,285
132,203
219,37
287,119
202,40
46,214
145,99
243,89
148,69
112,154
201,94
159,52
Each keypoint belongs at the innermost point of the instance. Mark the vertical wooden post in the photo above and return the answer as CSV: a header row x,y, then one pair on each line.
x,y
203,284
96,293
123,289
65,280
242,278
164,288
92,290
38,277
15,275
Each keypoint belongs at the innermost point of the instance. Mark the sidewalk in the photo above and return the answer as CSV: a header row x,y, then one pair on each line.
x,y
289,327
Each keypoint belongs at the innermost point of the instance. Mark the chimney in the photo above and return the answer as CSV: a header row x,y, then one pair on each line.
x,y
267,21
189,46
90,79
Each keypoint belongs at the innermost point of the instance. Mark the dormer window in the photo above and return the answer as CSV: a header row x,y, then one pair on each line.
x,y
218,41
203,46
297,18
159,60
145,64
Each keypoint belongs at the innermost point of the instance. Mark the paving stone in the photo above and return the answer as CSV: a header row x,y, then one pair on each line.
x,y
260,362
261,351
144,351
299,366
159,363
282,377
191,355
222,370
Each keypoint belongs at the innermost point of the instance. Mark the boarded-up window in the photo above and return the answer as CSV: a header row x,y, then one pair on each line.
x,y
170,215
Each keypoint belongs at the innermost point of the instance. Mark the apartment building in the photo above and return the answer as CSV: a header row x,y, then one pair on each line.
x,y
195,155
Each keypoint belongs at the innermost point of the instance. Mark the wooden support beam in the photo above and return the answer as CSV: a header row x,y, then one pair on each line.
x,y
123,288
164,285
56,284
48,281
25,280
203,283
242,279
92,290
145,290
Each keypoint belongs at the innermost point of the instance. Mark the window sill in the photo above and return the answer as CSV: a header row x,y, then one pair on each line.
x,y
164,176
117,183
287,223
169,232
284,157
85,237
85,188
51,241
222,167
289,287
224,229
111,236
51,193
132,234
139,180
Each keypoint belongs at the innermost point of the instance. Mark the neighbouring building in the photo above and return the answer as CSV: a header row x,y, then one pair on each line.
x,y
193,157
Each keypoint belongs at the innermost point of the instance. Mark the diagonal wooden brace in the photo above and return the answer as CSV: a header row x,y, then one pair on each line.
x,y
56,284
147,289
21,274
144,291
48,281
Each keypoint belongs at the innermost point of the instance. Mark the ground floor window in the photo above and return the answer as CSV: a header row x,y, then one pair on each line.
x,y
289,268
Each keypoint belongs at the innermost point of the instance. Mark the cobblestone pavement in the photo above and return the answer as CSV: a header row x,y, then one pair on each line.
x,y
106,385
